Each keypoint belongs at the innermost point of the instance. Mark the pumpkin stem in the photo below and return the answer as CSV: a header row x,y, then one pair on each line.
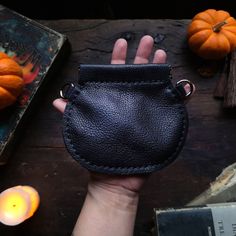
x,y
217,27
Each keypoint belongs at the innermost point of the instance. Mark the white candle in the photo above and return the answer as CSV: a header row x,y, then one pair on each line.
x,y
18,204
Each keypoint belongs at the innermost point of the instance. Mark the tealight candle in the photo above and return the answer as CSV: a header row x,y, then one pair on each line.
x,y
18,204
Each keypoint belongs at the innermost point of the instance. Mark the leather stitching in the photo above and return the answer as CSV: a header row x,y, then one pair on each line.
x,y
127,82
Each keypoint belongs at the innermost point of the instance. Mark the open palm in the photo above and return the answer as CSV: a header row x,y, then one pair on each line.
x,y
114,182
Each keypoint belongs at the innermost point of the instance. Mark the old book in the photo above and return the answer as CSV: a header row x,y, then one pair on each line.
x,y
39,51
209,220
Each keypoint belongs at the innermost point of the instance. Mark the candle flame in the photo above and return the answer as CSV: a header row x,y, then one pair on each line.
x,y
18,204
14,206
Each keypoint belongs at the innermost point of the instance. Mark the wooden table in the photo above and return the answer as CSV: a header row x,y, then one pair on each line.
x,y
41,160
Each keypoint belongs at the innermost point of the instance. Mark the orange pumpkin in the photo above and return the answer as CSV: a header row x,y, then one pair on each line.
x,y
212,34
11,81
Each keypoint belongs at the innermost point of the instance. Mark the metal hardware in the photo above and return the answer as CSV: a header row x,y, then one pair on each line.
x,y
185,81
65,89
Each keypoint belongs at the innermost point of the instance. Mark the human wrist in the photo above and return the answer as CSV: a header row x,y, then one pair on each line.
x,y
107,210
113,196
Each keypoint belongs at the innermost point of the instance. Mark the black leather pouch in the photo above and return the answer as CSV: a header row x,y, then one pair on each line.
x,y
124,119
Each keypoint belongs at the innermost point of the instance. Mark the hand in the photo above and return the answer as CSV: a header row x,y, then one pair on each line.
x,y
111,203
124,183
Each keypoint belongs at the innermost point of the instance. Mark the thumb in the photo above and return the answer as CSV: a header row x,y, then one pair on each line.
x,y
60,104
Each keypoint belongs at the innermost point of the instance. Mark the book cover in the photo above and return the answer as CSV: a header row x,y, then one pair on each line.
x,y
37,49
209,220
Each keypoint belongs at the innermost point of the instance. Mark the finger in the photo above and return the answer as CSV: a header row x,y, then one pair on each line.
x,y
119,52
160,56
144,50
60,104
187,89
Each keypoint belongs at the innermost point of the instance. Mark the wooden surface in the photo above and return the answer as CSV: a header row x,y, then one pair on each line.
x,y
40,158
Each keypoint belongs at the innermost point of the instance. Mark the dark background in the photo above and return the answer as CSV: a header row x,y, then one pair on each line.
x,y
117,9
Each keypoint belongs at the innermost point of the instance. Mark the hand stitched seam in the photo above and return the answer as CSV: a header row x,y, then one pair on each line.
x,y
126,82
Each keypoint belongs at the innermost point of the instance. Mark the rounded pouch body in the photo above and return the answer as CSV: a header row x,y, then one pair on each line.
x,y
124,119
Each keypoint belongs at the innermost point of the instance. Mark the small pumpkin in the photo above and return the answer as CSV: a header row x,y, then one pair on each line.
x,y
11,81
212,34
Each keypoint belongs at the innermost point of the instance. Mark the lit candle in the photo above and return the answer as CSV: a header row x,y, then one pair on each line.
x,y
18,204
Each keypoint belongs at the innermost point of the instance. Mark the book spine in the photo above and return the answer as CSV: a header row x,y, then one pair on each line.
x,y
209,220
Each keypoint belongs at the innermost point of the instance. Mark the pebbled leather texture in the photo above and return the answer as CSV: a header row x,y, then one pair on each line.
x,y
124,119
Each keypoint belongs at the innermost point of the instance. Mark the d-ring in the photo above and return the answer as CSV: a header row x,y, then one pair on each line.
x,y
191,85
65,89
